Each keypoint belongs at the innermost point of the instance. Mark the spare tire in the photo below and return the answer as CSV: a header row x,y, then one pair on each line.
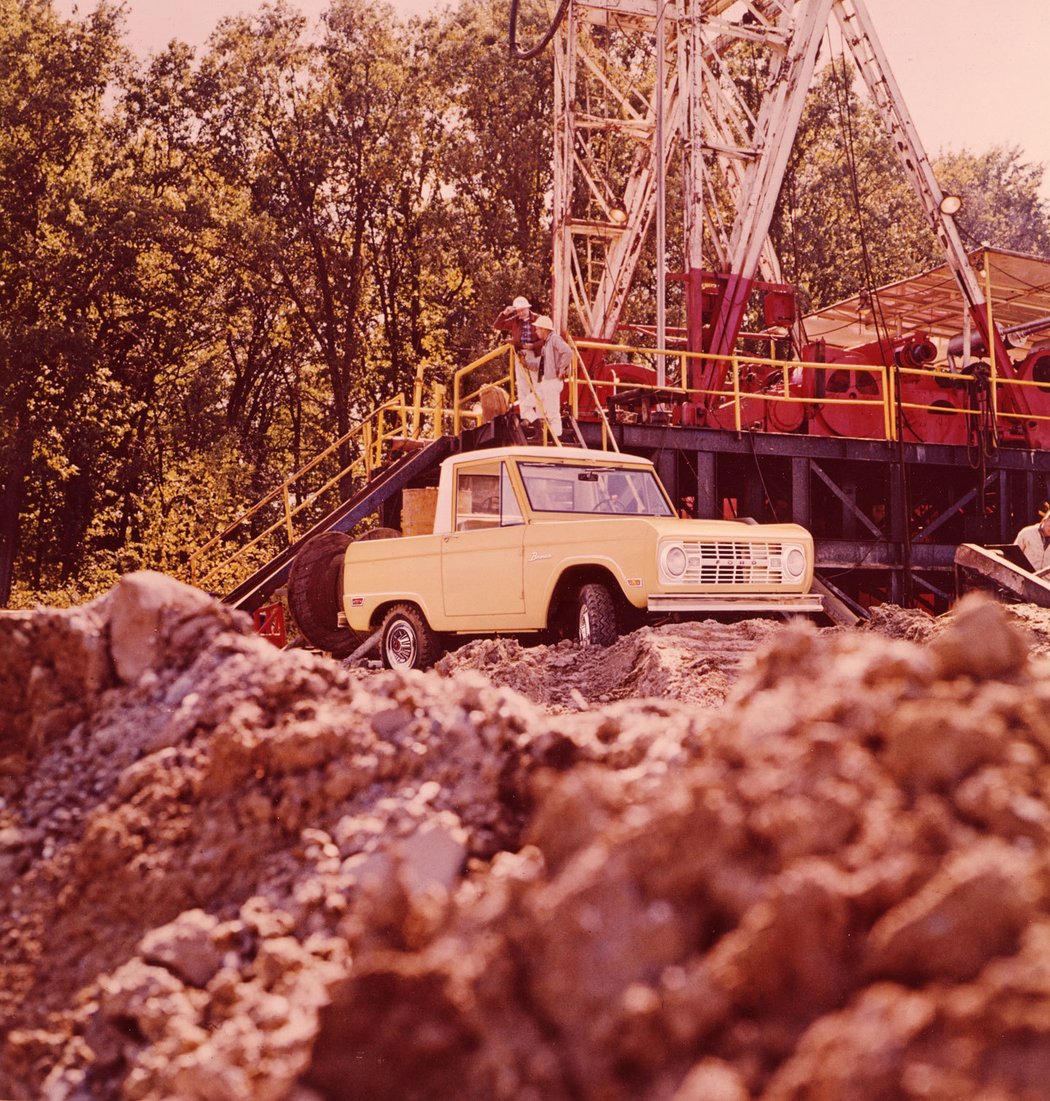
x,y
315,584
378,533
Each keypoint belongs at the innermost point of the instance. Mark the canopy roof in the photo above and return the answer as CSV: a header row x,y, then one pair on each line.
x,y
932,302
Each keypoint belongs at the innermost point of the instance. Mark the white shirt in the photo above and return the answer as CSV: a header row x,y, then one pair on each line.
x,y
1036,548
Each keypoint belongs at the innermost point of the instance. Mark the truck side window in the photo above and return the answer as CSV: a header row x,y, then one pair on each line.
x,y
477,500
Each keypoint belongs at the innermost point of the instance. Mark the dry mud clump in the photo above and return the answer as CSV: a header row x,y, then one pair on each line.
x,y
236,874
690,662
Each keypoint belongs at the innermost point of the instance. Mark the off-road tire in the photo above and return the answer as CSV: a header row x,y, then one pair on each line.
x,y
313,592
315,584
596,616
378,533
408,641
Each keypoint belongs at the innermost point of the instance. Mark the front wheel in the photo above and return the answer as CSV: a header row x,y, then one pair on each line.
x,y
596,620
408,641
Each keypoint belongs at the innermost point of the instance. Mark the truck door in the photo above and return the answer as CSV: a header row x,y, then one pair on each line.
x,y
482,558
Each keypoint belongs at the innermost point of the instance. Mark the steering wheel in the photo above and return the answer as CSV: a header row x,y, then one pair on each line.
x,y
606,504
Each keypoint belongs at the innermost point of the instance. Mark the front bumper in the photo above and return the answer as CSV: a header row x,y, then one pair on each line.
x,y
794,603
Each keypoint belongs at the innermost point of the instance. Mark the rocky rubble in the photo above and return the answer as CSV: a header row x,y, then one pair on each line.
x,y
710,863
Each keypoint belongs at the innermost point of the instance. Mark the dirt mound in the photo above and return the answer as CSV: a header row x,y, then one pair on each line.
x,y
896,622
234,873
892,621
1034,623
690,662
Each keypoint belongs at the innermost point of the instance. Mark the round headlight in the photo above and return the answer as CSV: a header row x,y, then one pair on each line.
x,y
675,561
795,562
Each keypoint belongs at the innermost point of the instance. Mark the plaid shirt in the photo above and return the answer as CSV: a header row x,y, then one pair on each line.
x,y
527,334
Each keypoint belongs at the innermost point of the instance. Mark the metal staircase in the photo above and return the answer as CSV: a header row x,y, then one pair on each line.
x,y
262,584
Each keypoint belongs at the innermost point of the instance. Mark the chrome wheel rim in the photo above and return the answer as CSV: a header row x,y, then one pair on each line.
x,y
401,645
584,631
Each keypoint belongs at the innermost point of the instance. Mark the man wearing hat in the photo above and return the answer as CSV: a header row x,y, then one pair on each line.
x,y
519,320
1034,540
555,359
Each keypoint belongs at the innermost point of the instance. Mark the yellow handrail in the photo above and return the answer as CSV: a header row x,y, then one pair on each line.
x,y
733,394
458,399
372,437
397,420
574,398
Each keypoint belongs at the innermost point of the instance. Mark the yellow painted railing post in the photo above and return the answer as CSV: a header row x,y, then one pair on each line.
x,y
439,410
366,435
737,419
456,397
887,414
417,401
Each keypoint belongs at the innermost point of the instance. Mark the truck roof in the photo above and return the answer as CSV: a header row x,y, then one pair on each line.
x,y
525,452
547,454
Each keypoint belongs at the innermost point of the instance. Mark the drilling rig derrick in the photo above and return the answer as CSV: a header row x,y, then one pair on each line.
x,y
655,98
674,122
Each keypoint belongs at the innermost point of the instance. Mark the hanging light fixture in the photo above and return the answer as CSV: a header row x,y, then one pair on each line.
x,y
951,205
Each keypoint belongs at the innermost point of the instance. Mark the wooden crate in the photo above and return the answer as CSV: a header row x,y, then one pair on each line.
x,y
418,507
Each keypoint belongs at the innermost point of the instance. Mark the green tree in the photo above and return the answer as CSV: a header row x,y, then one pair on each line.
x,y
1002,206
55,393
495,169
300,130
846,216
848,219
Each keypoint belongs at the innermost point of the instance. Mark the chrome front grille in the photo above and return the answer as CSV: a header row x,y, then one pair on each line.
x,y
731,562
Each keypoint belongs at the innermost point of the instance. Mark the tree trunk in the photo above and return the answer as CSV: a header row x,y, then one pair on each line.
x,y
12,497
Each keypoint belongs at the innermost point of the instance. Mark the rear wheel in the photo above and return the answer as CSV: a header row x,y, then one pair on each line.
x,y
596,616
408,640
315,596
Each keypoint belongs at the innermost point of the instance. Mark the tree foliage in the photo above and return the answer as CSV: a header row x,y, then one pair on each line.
x,y
62,394
848,219
1001,204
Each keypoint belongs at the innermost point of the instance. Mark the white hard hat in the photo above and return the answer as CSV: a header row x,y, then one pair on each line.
x,y
543,322
521,303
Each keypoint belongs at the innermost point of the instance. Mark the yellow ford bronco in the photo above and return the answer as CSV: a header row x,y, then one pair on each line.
x,y
555,540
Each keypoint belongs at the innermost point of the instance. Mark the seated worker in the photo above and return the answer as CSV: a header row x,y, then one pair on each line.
x,y
1034,540
519,320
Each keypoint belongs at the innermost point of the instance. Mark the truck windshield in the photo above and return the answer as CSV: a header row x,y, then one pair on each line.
x,y
605,490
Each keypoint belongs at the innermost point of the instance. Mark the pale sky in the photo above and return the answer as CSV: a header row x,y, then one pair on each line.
x,y
972,74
